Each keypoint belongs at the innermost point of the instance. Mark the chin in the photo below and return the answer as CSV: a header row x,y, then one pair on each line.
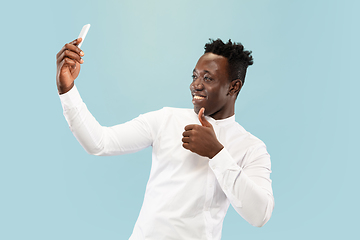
x,y
197,109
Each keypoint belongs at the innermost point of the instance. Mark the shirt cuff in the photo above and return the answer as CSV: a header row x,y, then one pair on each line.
x,y
70,99
222,162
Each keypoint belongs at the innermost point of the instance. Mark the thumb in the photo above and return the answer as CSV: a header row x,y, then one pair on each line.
x,y
78,41
202,119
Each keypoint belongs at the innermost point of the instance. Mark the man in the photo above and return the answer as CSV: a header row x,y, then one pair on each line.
x,y
202,159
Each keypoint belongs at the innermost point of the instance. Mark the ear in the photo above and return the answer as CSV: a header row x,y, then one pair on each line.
x,y
235,87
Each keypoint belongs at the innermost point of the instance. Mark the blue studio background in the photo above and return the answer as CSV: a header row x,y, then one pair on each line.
x,y
300,97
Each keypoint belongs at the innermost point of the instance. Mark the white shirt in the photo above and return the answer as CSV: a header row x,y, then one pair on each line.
x,y
187,196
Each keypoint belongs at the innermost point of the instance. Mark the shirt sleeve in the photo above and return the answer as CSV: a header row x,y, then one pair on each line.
x,y
128,137
248,187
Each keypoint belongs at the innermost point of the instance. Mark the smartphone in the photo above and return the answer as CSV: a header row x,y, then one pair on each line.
x,y
83,33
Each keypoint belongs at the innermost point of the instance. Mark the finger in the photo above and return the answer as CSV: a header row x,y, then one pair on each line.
x,y
61,51
65,47
68,62
71,55
68,53
185,139
186,134
189,127
77,41
74,48
186,146
202,119
71,46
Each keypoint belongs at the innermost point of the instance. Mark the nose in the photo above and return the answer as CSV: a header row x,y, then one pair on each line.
x,y
197,84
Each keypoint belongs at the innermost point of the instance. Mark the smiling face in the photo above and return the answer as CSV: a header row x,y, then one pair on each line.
x,y
211,87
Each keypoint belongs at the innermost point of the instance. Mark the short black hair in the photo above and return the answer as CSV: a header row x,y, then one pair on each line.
x,y
238,58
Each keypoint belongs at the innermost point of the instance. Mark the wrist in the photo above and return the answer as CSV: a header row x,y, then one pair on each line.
x,y
216,151
62,89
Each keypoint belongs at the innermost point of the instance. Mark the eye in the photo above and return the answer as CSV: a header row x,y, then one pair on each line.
x,y
193,77
208,79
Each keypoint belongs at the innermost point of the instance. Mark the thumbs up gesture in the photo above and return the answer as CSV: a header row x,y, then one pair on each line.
x,y
201,139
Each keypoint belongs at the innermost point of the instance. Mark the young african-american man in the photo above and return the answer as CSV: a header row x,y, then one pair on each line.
x,y
202,159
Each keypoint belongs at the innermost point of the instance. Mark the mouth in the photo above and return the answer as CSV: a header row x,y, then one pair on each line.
x,y
198,98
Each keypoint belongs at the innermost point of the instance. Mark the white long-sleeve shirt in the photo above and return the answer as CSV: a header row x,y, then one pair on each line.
x,y
187,196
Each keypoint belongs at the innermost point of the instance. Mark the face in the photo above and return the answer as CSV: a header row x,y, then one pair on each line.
x,y
211,85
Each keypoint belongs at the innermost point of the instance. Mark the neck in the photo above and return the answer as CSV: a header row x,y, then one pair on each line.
x,y
224,113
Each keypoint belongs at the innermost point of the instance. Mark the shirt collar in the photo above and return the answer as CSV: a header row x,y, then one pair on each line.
x,y
221,122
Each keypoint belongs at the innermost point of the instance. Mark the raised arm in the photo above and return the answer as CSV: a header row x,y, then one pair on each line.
x,y
124,138
96,139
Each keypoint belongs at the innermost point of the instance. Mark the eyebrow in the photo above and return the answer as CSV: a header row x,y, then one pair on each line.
x,y
205,71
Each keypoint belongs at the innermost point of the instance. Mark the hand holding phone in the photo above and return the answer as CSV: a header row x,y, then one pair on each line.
x,y
68,62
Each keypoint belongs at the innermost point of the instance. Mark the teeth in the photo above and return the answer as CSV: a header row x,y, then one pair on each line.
x,y
198,97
